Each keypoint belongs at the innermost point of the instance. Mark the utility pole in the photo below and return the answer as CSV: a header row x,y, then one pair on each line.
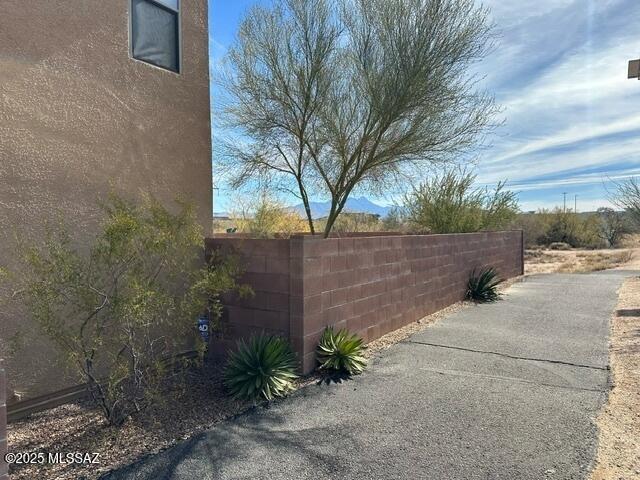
x,y
564,203
575,204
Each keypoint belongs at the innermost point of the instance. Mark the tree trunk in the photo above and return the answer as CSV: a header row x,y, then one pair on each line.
x,y
307,208
336,208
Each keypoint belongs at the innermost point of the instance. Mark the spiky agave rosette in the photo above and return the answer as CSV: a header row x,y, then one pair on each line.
x,y
483,285
264,366
341,351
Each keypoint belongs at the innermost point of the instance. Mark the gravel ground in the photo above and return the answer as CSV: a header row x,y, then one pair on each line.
x,y
619,422
188,410
78,427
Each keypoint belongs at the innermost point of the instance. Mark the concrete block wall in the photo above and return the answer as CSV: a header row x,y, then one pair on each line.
x,y
4,468
370,285
266,265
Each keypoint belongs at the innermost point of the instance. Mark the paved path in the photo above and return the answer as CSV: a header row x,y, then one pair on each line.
x,y
502,391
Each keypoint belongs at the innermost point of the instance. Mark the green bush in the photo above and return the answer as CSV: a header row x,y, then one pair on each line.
x,y
449,203
577,230
263,367
534,226
119,309
483,285
341,352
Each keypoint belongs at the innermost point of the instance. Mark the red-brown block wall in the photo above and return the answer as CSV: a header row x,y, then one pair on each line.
x,y
266,266
370,285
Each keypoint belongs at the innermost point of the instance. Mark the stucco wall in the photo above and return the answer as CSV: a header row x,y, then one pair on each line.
x,y
78,116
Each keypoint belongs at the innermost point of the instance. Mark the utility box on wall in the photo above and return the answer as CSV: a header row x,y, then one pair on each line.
x,y
370,285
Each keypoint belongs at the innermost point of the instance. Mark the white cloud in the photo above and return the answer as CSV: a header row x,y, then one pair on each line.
x,y
560,74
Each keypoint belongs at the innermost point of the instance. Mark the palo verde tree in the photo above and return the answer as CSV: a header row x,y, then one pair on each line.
x,y
329,97
448,202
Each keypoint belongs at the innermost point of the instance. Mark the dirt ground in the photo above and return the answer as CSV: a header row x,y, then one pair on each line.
x,y
542,260
619,422
545,260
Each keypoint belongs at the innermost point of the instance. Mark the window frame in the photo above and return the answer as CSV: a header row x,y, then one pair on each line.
x,y
167,8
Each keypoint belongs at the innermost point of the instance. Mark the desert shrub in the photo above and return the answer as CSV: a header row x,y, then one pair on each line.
x,y
589,235
571,228
449,203
355,222
341,352
533,225
122,309
395,220
266,217
264,367
562,227
613,226
483,285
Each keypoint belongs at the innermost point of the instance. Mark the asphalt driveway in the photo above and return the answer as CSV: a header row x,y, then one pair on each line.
x,y
502,391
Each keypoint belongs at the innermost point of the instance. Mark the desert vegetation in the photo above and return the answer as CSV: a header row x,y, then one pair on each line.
x,y
449,202
482,286
337,97
577,230
122,311
264,217
543,260
341,352
264,367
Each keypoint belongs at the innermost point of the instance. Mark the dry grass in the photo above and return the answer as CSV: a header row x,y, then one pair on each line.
x,y
575,261
596,261
619,421
631,241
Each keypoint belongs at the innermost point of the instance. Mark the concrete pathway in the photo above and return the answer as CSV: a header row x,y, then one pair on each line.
x,y
502,391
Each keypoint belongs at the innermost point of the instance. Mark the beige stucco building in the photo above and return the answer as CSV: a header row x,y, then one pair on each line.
x,y
80,115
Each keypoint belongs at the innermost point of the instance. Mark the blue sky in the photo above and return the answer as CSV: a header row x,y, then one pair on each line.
x,y
559,72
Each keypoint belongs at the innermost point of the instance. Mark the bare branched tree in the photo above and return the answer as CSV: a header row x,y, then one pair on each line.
x,y
326,97
612,226
627,196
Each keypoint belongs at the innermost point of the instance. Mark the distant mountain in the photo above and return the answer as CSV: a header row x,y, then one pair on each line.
x,y
353,205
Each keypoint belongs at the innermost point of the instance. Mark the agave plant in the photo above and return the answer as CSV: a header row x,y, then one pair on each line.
x,y
483,285
263,367
341,352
